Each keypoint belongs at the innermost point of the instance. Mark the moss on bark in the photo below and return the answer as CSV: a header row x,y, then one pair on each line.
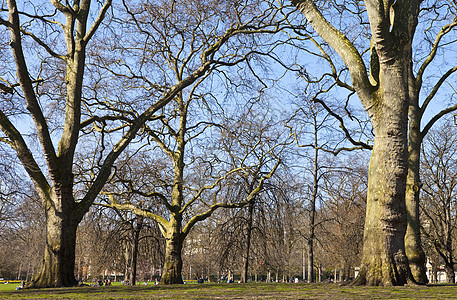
x,y
172,269
58,266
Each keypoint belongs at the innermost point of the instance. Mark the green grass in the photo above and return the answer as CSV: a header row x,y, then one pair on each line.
x,y
236,291
9,286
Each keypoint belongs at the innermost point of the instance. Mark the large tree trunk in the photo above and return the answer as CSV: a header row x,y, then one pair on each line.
x,y
58,265
172,269
384,261
413,245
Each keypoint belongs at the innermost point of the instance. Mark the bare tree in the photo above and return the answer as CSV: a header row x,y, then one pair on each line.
x,y
392,27
314,135
437,32
439,160
429,85
344,213
185,42
59,78
62,212
189,198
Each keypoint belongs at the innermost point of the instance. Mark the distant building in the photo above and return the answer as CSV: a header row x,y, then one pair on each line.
x,y
440,275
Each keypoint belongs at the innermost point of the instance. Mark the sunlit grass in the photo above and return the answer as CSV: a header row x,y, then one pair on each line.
x,y
8,287
235,291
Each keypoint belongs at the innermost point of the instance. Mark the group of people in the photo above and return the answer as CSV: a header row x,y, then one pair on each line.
x,y
100,282
20,286
294,280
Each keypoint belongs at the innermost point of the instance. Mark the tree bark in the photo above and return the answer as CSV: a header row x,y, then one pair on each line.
x,y
312,213
450,273
172,268
127,260
413,245
58,265
384,260
310,270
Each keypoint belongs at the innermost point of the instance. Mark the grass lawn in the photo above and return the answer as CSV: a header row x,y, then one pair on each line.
x,y
236,291
8,287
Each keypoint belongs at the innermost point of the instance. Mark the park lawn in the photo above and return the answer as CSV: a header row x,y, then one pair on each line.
x,y
238,291
8,287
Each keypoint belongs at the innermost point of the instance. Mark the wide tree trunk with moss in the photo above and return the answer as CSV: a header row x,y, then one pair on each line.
x,y
172,269
385,96
58,265
384,260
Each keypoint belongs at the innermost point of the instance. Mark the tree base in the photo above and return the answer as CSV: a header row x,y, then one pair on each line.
x,y
394,272
58,265
419,273
45,282
167,282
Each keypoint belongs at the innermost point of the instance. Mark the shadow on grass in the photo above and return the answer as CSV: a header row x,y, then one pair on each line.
x,y
114,292
99,290
441,284
238,291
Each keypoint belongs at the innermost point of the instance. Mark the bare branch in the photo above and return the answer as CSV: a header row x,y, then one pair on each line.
x,y
209,212
343,127
436,87
98,21
342,46
138,211
26,85
25,156
444,30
